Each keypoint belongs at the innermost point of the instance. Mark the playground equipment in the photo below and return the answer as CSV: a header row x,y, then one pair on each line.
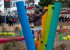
x,y
7,33
44,17
3,40
67,37
61,37
43,26
47,27
64,29
52,20
25,26
51,26
20,33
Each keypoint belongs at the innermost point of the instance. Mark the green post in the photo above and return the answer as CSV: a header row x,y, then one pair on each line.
x,y
21,33
61,37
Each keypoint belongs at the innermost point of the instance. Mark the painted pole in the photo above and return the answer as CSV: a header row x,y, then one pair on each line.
x,y
47,27
21,33
61,37
44,17
25,26
53,26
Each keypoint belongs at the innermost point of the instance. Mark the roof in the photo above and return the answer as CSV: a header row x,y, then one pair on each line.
x,y
65,12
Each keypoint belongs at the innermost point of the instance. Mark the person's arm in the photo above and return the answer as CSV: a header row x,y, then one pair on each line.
x,y
32,19
44,12
38,15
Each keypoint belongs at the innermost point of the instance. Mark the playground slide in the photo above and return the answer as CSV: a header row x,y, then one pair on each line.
x,y
53,26
47,27
43,26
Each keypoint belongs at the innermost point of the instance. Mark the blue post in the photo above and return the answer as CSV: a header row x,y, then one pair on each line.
x,y
25,26
32,32
53,26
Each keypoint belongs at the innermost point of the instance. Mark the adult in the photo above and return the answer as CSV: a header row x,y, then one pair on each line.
x,y
62,18
7,19
10,20
0,19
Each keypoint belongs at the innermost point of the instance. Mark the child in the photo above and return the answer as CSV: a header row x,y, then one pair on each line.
x,y
36,19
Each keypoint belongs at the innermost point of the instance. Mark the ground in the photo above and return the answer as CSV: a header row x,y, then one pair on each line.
x,y
22,46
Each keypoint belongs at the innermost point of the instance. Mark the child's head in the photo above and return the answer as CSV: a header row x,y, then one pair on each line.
x,y
36,11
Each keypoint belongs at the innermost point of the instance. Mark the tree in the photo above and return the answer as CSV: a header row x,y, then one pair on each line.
x,y
69,3
45,2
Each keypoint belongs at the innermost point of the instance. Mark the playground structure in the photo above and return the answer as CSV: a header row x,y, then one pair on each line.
x,y
3,40
6,33
43,26
26,28
51,30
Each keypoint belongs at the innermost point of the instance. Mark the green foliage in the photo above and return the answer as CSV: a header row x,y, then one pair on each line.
x,y
69,4
45,2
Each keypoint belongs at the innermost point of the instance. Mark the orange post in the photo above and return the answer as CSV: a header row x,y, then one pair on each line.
x,y
43,26
64,29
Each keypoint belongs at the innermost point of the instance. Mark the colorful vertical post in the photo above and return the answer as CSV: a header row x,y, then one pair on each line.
x,y
21,33
44,17
47,27
61,37
53,26
25,26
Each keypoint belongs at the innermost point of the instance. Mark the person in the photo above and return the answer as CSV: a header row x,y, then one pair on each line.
x,y
68,19
59,19
10,20
65,19
29,18
62,18
0,19
7,19
36,19
15,20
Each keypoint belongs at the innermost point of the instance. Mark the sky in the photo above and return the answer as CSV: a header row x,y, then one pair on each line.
x,y
36,1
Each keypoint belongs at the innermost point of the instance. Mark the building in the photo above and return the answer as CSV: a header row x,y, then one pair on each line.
x,y
65,4
2,6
